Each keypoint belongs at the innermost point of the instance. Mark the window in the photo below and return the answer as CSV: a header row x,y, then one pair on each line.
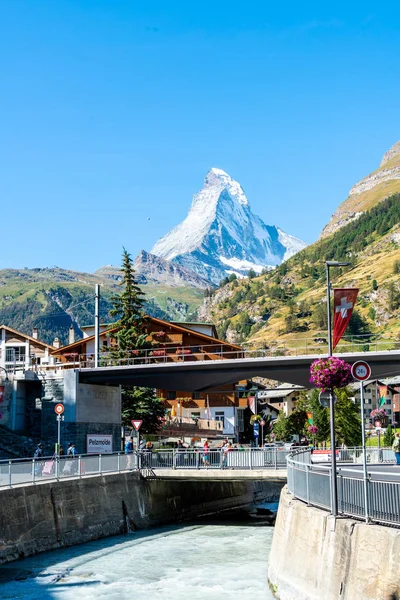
x,y
15,354
171,395
389,412
195,415
196,395
220,416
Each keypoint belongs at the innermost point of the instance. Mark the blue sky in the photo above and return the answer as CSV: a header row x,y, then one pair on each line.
x,y
112,111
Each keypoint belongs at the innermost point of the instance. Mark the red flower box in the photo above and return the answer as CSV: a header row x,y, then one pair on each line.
x,y
183,351
159,352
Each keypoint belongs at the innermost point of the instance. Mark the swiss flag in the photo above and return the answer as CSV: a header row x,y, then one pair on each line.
x,y
344,300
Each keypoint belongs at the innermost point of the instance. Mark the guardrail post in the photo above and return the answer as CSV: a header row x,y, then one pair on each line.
x,y
100,464
33,470
80,465
308,488
197,460
173,459
58,467
250,458
9,473
118,463
276,457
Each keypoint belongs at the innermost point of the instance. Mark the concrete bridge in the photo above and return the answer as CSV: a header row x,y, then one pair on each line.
x,y
204,374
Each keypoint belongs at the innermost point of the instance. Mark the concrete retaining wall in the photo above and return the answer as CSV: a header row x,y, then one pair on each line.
x,y
37,518
313,556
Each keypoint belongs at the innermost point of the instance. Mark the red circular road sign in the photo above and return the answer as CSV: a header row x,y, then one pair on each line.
x,y
59,409
361,370
262,423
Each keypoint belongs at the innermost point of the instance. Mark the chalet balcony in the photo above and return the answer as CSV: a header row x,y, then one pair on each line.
x,y
186,426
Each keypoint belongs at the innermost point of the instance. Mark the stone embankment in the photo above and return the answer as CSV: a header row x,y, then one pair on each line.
x,y
41,517
314,556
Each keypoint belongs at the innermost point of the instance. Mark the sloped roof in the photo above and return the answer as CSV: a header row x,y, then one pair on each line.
x,y
28,337
160,322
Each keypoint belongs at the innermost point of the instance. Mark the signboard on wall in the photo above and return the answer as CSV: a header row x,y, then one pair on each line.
x,y
98,444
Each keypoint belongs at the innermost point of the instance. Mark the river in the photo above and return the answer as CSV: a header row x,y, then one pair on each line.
x,y
226,561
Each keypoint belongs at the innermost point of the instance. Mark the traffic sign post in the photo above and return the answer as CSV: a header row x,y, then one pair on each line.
x,y
361,371
58,409
137,423
262,423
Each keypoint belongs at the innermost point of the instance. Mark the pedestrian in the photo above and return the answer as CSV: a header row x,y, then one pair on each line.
x,y
69,449
206,455
396,448
61,453
148,454
180,451
38,455
129,453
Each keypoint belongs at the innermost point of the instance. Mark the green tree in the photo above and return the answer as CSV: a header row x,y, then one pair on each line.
x,y
142,403
388,438
396,267
393,297
347,419
297,420
319,316
374,285
137,402
128,308
251,274
281,428
320,416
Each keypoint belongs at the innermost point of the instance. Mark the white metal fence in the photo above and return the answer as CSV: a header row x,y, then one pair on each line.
x,y
24,471
311,483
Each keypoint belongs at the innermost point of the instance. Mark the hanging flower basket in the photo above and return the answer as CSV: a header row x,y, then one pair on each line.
x,y
378,415
329,373
313,429
159,335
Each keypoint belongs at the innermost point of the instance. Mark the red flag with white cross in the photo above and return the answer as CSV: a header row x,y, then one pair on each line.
x,y
344,300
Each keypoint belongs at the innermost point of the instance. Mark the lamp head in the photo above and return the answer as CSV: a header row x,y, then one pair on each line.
x,y
335,263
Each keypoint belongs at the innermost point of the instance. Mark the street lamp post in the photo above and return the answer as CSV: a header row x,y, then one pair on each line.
x,y
334,496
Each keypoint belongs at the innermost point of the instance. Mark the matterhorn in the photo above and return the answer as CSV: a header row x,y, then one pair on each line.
x,y
221,235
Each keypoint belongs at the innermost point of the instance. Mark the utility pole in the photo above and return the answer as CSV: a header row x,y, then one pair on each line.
x,y
334,495
96,326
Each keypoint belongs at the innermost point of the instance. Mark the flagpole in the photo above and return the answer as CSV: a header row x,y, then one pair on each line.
x,y
334,494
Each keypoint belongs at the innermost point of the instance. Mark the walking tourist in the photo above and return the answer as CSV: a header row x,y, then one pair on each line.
x,y
396,448
206,455
129,453
180,449
38,455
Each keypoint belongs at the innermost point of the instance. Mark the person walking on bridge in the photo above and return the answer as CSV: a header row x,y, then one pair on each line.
x,y
129,453
396,448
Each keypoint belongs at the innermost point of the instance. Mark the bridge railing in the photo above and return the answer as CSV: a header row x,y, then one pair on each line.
x,y
168,354
311,483
26,471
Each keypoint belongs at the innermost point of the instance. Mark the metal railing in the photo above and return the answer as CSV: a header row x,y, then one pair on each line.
x,y
300,347
311,483
24,471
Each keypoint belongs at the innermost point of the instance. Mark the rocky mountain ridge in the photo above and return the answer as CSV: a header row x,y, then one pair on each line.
x,y
370,190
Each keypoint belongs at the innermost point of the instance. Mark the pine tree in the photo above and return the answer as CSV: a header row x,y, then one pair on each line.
x,y
320,416
128,307
347,419
142,403
388,438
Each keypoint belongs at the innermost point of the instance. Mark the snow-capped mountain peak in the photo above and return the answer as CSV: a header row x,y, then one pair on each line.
x,y
221,233
218,177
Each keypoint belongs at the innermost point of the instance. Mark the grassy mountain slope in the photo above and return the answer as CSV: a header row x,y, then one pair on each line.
x,y
288,303
52,299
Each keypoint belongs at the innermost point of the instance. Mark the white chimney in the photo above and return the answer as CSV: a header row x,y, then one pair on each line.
x,y
56,342
71,335
35,333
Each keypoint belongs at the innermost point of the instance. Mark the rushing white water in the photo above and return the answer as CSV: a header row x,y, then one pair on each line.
x,y
210,562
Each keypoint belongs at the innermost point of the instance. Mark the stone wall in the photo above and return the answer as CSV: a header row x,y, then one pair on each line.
x,y
42,517
314,556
